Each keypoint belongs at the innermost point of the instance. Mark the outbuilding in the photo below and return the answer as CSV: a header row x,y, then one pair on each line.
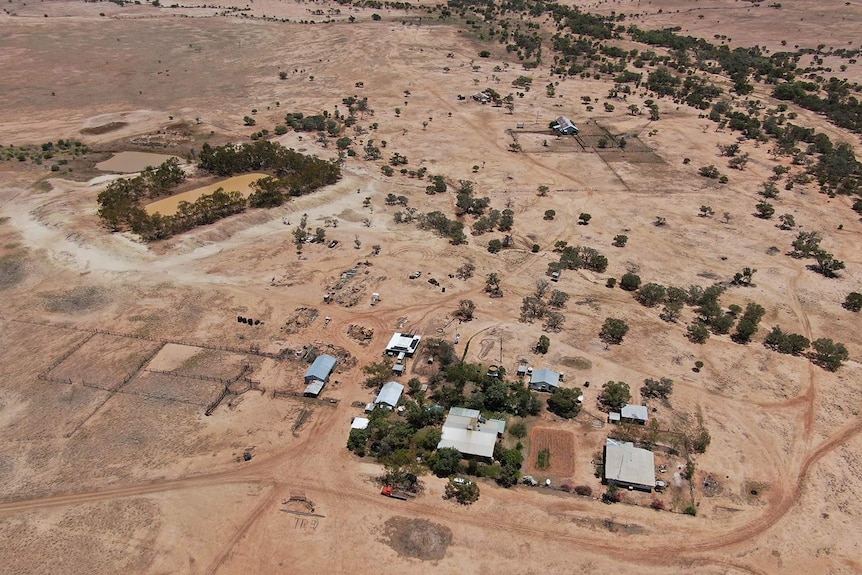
x,y
318,374
470,433
405,343
359,423
566,126
628,466
544,380
634,414
390,395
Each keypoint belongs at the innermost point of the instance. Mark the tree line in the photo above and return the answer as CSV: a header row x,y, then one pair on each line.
x,y
292,174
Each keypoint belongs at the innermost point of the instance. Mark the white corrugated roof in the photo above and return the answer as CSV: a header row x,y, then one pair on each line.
x,y
629,464
638,412
390,393
403,342
359,423
464,412
468,442
314,388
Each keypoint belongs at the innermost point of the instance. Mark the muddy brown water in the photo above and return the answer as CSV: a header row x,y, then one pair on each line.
x,y
168,206
128,162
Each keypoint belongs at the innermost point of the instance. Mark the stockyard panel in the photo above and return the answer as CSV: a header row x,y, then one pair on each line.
x,y
27,349
133,438
105,361
173,389
561,445
195,361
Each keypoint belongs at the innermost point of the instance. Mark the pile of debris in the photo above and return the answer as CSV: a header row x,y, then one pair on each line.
x,y
361,334
301,318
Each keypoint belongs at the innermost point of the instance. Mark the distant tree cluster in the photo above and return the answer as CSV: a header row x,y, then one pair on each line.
x,y
577,257
295,175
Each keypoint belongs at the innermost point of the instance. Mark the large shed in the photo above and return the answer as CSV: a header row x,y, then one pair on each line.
x,y
470,433
629,466
320,369
403,343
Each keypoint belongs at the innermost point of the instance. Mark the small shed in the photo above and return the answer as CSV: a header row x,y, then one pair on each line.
x,y
566,126
314,388
634,414
359,423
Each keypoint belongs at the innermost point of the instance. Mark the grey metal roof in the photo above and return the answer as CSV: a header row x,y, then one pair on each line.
x,y
468,442
464,412
321,368
315,387
638,412
628,464
359,423
545,376
390,393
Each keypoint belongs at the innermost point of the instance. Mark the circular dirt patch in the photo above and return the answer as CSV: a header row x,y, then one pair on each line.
x,y
418,538
576,362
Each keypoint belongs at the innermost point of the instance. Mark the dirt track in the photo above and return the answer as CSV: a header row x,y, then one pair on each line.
x,y
777,422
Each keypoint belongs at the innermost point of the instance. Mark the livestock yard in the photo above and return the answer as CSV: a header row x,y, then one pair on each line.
x,y
401,168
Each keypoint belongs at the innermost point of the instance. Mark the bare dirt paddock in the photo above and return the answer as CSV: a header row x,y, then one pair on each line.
x,y
145,430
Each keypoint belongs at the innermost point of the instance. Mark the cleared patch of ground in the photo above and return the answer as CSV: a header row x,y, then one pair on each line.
x,y
417,538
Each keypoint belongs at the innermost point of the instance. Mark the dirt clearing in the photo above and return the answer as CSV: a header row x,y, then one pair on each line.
x,y
417,538
559,459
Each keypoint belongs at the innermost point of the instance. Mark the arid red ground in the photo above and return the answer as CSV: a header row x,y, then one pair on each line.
x,y
111,350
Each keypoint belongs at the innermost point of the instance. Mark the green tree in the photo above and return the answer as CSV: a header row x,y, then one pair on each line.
x,y
630,281
564,402
745,329
651,294
829,354
550,214
614,395
620,240
495,246
697,332
445,461
378,373
853,301
584,219
357,441
559,298
826,264
657,388
427,438
518,430
466,308
787,222
510,465
465,493
544,344
764,210
806,244
671,311
613,331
